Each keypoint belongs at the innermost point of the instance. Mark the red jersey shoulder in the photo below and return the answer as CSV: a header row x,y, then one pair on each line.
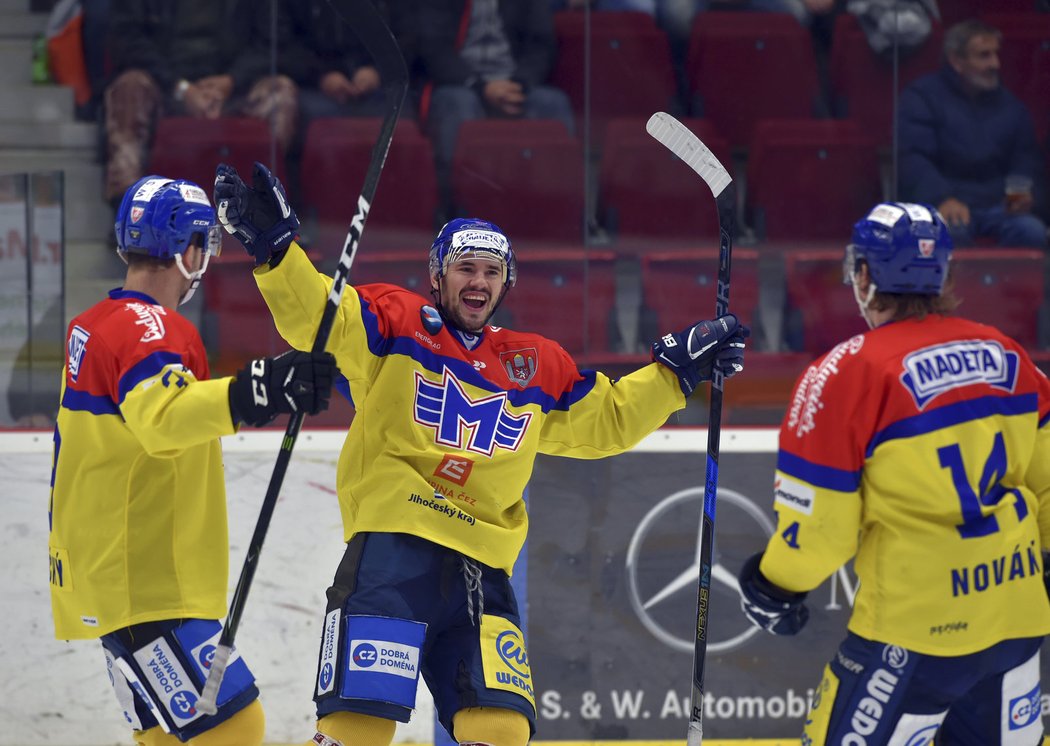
x,y
117,333
398,310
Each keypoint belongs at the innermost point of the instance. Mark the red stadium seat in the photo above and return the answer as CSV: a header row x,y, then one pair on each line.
x,y
646,193
526,176
565,294
406,268
189,148
630,63
954,11
237,322
336,155
679,287
1024,58
821,309
1001,287
862,82
747,66
810,179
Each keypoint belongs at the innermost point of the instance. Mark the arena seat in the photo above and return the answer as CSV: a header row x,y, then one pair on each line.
x,y
407,268
630,60
336,154
862,81
566,294
747,66
679,287
189,148
960,10
1003,287
821,311
810,179
526,176
647,193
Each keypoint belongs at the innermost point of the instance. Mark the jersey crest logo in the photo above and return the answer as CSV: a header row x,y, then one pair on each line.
x,y
78,340
932,371
520,365
478,425
431,319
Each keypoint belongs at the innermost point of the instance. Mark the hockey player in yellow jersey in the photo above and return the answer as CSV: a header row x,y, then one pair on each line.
x,y
921,450
138,542
450,414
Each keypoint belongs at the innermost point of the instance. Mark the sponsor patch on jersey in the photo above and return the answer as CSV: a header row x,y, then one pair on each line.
x,y
193,193
795,495
455,469
431,319
520,365
808,400
78,339
464,423
932,371
504,658
169,681
149,317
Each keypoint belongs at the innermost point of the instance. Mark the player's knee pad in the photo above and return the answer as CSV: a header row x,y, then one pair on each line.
x,y
352,728
155,737
492,726
243,729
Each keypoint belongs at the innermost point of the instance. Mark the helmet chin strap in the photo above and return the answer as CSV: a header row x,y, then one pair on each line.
x,y
193,277
863,303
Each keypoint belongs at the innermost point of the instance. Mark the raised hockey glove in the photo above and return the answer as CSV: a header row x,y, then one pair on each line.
x,y
693,352
291,382
767,606
259,216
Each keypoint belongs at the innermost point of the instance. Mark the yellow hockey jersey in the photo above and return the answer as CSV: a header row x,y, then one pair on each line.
x,y
921,448
138,503
444,438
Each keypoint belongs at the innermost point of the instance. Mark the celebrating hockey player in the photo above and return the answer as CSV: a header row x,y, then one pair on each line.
x,y
450,414
921,450
138,543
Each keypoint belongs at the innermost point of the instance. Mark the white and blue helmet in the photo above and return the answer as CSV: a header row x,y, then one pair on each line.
x,y
907,248
471,238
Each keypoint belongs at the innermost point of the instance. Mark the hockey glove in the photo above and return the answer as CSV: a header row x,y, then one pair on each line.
x,y
693,352
291,382
767,606
259,216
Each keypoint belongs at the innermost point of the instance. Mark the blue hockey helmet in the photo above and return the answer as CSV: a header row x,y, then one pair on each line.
x,y
907,248
471,238
159,217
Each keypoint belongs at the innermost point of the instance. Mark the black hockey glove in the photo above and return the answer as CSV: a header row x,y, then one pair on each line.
x,y
288,383
259,216
693,352
767,606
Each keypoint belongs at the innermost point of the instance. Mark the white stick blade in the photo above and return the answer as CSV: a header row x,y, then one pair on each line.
x,y
678,138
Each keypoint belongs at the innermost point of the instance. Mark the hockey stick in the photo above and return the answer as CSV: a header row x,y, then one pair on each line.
x,y
369,27
677,138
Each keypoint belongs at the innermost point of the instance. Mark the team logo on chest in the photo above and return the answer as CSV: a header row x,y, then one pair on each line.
x,y
478,425
520,365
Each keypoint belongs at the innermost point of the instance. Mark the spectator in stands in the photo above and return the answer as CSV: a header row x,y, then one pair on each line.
x,y
487,58
179,57
319,51
963,137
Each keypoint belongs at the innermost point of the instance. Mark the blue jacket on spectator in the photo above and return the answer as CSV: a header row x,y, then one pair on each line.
x,y
955,145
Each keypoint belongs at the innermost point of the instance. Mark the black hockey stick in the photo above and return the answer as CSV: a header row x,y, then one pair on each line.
x,y
677,138
370,28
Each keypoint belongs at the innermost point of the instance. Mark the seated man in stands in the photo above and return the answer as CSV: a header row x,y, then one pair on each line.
x,y
179,57
968,146
482,59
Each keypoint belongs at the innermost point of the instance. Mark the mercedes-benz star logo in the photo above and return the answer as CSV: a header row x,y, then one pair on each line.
x,y
652,584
